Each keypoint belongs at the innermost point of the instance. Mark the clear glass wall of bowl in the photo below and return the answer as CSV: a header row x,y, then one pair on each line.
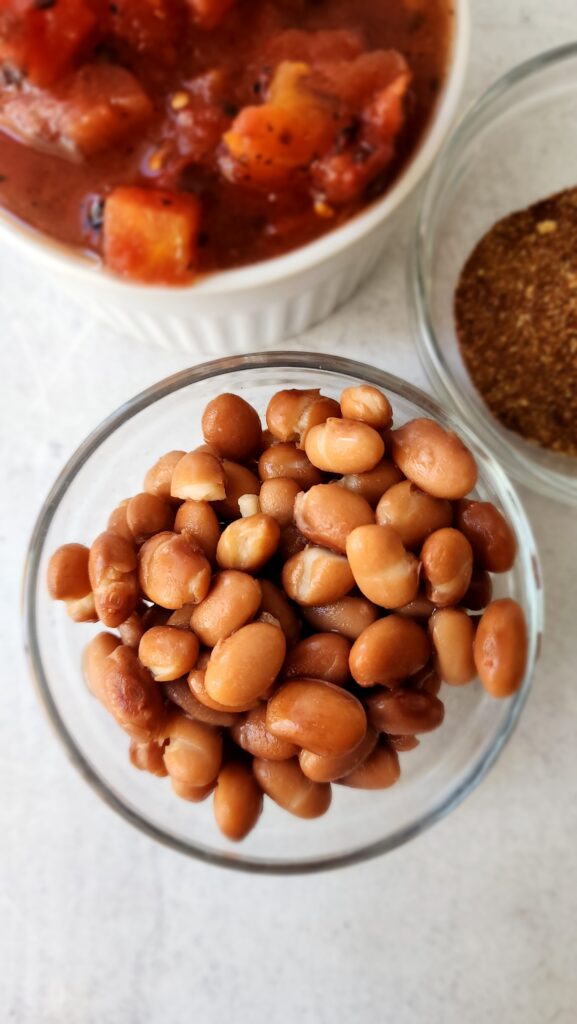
x,y
110,466
516,145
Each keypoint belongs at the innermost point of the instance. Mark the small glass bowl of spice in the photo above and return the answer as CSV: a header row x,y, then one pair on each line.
x,y
493,272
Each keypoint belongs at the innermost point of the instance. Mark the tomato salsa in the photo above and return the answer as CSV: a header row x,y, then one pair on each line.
x,y
174,138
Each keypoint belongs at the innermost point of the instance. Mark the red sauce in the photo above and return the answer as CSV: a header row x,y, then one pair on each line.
x,y
215,73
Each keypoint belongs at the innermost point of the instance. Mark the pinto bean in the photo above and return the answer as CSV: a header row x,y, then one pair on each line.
x,y
389,651
434,459
383,570
500,647
327,514
285,783
344,446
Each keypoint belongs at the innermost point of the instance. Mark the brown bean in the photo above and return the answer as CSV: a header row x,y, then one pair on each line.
x,y
251,733
447,565
233,600
242,667
374,483
344,446
419,608
452,634
290,414
171,572
168,652
277,499
412,513
369,405
380,770
239,481
291,541
157,616
180,618
180,694
93,660
318,716
147,514
193,753
83,609
500,647
493,542
196,682
67,575
194,794
328,513
147,756
111,567
159,477
275,602
428,680
287,460
320,768
131,695
232,426
248,544
285,783
198,476
480,591
267,440
349,616
317,576
404,712
383,570
435,459
132,630
118,521
320,656
402,744
389,651
198,523
237,801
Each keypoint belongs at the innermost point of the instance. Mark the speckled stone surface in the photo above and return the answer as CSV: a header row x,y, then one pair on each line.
x,y
473,922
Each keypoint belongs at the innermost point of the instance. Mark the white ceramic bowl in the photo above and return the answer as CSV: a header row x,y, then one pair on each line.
x,y
257,305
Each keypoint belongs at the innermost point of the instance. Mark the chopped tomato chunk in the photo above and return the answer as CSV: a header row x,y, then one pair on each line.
x,y
314,47
333,122
209,13
98,105
151,28
151,236
268,143
44,41
376,85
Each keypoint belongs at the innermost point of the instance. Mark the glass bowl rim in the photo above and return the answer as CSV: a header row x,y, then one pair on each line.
x,y
475,118
194,375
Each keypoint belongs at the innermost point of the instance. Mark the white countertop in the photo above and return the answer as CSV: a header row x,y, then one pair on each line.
x,y
474,921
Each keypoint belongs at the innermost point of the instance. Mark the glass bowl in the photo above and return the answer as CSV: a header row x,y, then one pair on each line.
x,y
109,465
514,146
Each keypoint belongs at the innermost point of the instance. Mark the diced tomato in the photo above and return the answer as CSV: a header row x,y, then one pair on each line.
x,y
44,41
339,177
357,81
198,123
151,236
98,105
151,28
267,144
314,47
209,13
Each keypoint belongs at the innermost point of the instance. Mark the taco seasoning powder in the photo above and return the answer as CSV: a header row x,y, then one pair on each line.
x,y
516,319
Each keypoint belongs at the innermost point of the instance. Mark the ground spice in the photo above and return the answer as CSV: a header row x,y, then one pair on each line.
x,y
516,318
